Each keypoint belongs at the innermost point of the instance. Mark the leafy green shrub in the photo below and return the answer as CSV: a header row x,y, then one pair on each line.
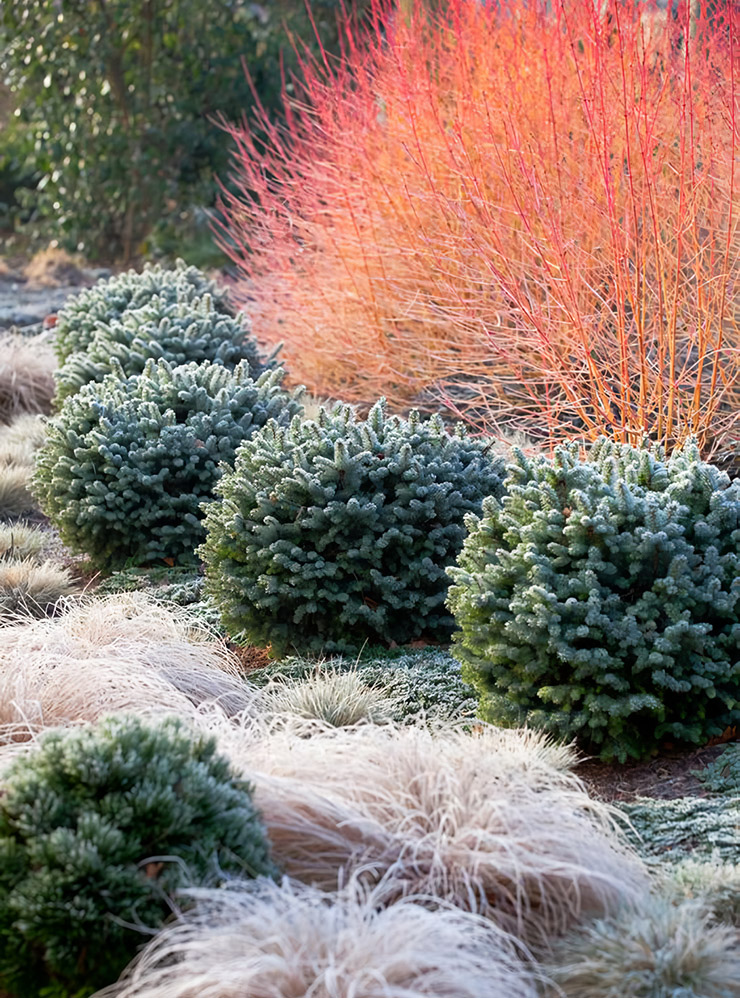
x,y
119,103
119,99
600,598
178,332
338,531
127,463
94,309
421,682
98,830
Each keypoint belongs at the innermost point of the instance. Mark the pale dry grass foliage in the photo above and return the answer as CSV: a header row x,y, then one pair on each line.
x,y
31,589
492,821
21,541
26,375
339,699
27,431
101,656
53,268
15,497
658,951
290,941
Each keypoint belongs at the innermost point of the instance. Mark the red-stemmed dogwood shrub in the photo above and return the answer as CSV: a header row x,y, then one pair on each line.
x,y
528,211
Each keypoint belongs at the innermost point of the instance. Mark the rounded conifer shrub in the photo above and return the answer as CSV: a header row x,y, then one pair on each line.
x,y
99,828
600,598
128,462
177,331
336,532
84,314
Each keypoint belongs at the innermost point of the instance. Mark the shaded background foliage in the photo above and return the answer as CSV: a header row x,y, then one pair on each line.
x,y
114,144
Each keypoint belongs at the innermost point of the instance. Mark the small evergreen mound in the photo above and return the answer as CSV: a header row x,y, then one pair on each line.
x,y
96,307
600,598
127,463
336,532
99,829
176,331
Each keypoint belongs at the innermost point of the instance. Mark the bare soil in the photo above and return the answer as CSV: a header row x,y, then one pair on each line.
x,y
666,776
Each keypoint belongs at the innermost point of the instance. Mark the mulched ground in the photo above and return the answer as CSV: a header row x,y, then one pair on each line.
x,y
667,776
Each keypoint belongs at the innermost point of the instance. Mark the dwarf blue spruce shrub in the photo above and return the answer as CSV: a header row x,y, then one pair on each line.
x,y
175,331
600,599
333,532
99,828
127,463
94,308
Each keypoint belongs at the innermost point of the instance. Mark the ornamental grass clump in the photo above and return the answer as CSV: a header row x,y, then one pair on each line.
x,y
599,599
491,821
30,588
95,308
176,331
424,684
101,656
288,941
525,210
661,950
128,463
99,830
334,532
26,375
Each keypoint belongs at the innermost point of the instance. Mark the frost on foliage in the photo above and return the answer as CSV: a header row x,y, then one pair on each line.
x,y
127,463
176,331
707,827
424,683
99,829
336,532
96,307
600,598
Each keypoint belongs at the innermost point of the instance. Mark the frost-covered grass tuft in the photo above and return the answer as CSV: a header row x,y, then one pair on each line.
x,y
100,656
27,430
26,375
492,821
424,683
15,497
659,951
339,699
291,941
30,589
21,541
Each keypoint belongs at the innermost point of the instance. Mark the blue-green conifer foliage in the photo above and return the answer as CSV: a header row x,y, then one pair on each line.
x,y
86,313
127,463
600,598
99,828
335,532
190,329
